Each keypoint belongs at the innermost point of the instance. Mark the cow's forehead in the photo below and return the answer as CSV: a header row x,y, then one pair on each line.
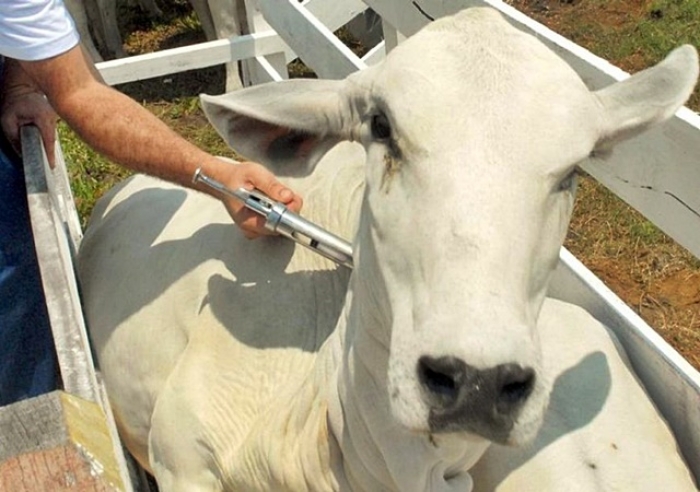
x,y
478,79
482,55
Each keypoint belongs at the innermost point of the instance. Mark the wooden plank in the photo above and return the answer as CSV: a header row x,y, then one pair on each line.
x,y
193,57
202,55
657,173
261,70
56,267
405,16
310,39
334,14
671,381
66,204
375,55
56,442
392,37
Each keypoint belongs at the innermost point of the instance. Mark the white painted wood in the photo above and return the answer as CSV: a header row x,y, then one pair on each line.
x,y
375,55
672,382
310,39
336,13
262,42
392,37
56,267
261,71
201,55
404,15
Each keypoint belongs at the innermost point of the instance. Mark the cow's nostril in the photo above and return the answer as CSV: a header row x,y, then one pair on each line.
x,y
517,384
439,377
439,383
462,397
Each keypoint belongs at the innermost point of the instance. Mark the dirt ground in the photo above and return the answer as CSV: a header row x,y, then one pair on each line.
x,y
658,279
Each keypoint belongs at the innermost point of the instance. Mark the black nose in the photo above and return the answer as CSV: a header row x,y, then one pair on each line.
x,y
484,401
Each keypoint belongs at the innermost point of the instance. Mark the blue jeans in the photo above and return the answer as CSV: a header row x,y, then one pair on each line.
x,y
27,355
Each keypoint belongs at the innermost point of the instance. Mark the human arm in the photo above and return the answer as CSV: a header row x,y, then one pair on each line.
x,y
125,132
23,103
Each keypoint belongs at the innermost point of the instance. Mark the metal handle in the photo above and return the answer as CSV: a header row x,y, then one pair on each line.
x,y
279,219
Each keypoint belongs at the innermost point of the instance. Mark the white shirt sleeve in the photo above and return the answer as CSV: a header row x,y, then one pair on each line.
x,y
35,29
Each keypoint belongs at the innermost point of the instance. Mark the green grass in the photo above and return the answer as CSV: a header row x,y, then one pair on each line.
x,y
91,175
630,34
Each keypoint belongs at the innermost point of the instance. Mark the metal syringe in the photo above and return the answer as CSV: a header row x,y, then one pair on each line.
x,y
279,219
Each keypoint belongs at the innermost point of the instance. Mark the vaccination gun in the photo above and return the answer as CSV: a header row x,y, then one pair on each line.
x,y
279,219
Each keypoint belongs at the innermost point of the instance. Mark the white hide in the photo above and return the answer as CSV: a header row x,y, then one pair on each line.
x,y
239,365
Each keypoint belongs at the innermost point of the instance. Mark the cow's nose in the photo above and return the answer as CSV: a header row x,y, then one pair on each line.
x,y
484,401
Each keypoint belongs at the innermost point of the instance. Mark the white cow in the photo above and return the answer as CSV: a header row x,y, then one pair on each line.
x,y
254,365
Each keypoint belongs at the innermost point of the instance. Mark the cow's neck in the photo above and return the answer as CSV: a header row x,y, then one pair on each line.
x,y
376,453
336,431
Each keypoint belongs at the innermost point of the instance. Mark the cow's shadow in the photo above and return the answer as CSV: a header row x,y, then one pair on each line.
x,y
579,395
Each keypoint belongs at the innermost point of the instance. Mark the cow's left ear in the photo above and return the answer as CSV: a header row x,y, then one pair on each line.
x,y
287,126
648,97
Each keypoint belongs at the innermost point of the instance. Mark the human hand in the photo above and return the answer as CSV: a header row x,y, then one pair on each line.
x,y
250,175
24,105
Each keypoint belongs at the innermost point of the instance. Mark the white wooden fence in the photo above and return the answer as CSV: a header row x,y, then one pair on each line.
x,y
657,173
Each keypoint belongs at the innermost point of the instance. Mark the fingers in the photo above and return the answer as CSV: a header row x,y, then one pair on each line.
x,y
30,108
251,175
265,181
253,226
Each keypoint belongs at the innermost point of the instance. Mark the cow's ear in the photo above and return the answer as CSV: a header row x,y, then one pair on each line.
x,y
287,126
648,97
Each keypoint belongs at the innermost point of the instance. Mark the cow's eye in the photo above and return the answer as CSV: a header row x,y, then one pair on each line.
x,y
569,181
381,129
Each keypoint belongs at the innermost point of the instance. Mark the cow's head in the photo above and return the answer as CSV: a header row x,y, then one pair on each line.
x,y
473,132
